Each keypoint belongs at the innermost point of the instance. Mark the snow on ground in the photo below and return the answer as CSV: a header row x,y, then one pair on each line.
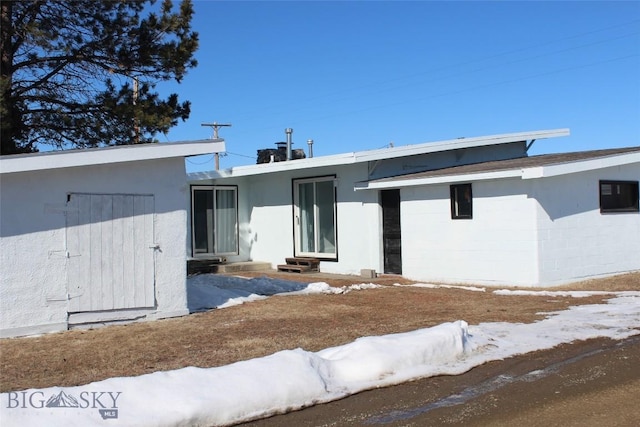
x,y
442,286
293,379
207,291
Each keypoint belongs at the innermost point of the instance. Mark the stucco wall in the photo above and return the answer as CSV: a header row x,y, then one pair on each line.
x,y
524,232
33,262
576,240
496,246
266,218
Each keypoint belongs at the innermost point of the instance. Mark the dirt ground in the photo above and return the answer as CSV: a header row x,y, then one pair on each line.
x,y
312,322
584,384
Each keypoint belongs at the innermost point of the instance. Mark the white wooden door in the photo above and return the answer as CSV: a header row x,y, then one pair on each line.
x,y
110,240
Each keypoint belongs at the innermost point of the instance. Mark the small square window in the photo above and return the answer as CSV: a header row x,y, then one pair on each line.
x,y
461,201
618,196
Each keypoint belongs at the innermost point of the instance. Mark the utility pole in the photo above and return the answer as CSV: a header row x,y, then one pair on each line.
x,y
136,123
215,127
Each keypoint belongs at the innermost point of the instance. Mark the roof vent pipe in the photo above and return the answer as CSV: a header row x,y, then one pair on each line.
x,y
310,143
288,131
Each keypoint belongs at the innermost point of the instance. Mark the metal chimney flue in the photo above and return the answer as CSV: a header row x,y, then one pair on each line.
x,y
288,131
310,144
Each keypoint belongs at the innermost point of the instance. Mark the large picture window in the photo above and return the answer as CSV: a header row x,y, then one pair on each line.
x,y
618,196
461,201
214,220
315,217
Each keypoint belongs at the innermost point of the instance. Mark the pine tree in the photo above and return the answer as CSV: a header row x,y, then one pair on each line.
x,y
82,73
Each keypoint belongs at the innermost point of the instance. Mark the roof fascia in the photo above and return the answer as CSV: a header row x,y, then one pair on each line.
x,y
456,144
108,155
448,179
581,166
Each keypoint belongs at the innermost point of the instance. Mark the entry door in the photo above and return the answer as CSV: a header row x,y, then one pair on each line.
x,y
110,240
214,221
315,217
391,235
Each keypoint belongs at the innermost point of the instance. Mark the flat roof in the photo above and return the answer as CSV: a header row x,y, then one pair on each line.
x,y
106,155
379,154
540,166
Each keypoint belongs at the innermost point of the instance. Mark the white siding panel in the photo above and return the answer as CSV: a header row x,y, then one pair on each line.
x,y
114,268
148,282
106,255
138,236
93,289
128,252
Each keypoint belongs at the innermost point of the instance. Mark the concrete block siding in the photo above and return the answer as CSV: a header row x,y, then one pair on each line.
x,y
575,239
497,245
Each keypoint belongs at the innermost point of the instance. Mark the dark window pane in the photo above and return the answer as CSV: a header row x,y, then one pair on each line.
x,y
461,201
618,196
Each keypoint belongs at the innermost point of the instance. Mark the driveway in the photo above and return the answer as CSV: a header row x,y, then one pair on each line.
x,y
593,383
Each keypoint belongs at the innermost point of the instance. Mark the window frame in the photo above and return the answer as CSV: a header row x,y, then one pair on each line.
x,y
634,192
214,250
454,191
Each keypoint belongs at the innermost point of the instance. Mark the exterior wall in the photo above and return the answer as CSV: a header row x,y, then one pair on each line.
x,y
576,241
271,219
498,246
539,232
524,232
265,204
266,215
33,260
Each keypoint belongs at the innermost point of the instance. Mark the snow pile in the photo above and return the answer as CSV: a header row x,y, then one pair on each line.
x,y
323,288
284,381
293,379
371,362
572,294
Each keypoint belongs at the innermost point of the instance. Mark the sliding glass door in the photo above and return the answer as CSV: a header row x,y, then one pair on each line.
x,y
315,217
214,219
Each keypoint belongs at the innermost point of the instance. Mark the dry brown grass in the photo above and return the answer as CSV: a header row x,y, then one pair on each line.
x,y
220,337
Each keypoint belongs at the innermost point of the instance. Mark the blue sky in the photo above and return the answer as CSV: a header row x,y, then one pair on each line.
x,y
358,75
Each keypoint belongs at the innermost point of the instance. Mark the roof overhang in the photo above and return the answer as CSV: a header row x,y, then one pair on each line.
x,y
581,166
379,154
108,155
534,172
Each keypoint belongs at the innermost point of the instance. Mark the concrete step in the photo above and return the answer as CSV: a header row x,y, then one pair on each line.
x,y
203,266
244,266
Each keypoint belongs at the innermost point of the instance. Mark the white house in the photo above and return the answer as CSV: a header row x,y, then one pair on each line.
x,y
469,210
94,236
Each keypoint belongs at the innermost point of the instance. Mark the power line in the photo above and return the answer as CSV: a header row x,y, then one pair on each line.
x,y
208,159
377,84
240,155
469,89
